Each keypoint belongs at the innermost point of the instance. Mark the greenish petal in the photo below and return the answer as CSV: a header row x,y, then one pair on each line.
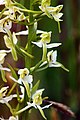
x,y
27,88
8,42
41,111
63,67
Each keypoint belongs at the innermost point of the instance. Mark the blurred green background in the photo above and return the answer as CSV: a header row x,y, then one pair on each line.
x,y
61,86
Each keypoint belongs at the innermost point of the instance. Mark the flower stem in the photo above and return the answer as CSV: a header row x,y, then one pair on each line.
x,y
31,37
28,60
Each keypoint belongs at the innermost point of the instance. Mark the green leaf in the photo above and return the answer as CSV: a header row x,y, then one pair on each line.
x,y
3,75
14,54
26,53
59,27
35,87
41,111
15,76
13,72
41,69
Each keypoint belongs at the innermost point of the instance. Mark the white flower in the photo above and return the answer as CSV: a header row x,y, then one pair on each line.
x,y
15,14
24,79
3,98
23,72
53,12
24,76
52,59
45,39
37,101
5,23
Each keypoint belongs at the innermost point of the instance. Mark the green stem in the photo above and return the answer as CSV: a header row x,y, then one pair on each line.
x,y
23,9
14,85
36,66
22,110
28,60
44,52
10,108
31,37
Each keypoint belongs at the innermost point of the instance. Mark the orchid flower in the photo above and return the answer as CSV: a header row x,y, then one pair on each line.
x,y
13,12
45,39
36,103
3,98
24,79
52,60
53,12
5,23
24,76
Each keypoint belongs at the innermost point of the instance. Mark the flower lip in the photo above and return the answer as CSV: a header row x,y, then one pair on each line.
x,y
37,99
23,72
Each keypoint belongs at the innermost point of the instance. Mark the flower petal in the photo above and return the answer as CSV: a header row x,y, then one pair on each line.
x,y
44,63
6,99
54,65
39,43
53,45
41,111
54,56
17,81
25,32
6,69
14,38
28,78
13,118
47,106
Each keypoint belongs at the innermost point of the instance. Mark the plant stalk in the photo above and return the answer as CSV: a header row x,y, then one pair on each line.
x,y
28,48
